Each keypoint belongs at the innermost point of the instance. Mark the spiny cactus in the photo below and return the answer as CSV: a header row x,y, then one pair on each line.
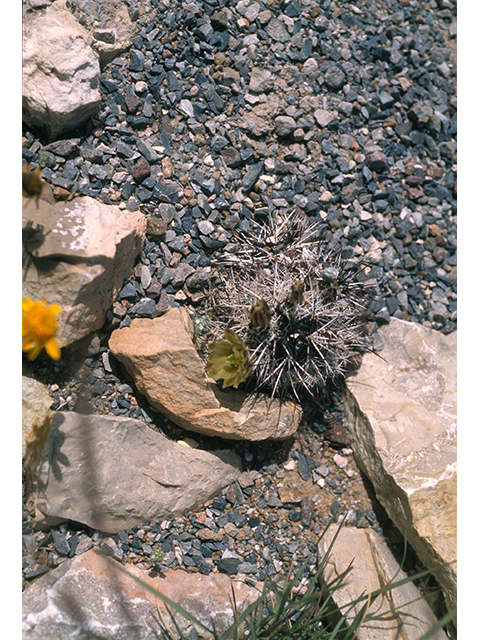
x,y
297,306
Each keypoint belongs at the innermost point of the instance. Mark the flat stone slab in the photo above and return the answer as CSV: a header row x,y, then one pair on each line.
x,y
112,473
406,614
160,356
87,597
400,411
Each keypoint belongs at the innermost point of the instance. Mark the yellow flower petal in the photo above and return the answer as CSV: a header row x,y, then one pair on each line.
x,y
39,328
228,360
52,349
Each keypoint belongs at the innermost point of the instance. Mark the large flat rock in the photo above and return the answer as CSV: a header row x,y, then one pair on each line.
x,y
160,356
400,410
405,613
112,473
88,597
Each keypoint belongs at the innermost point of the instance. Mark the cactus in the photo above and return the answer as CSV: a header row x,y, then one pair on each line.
x,y
296,304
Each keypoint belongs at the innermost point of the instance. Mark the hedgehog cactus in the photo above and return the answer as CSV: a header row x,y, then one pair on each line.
x,y
297,307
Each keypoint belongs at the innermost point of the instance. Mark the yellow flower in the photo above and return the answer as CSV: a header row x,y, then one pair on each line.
x,y
228,360
39,328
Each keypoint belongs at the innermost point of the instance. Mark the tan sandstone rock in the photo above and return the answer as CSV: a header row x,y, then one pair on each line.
x,y
60,71
160,356
112,473
85,252
406,614
110,604
36,414
261,80
400,411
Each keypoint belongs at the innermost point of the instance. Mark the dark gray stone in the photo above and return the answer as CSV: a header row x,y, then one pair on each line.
x,y
146,308
137,60
63,147
305,465
60,543
252,175
124,150
335,78
228,566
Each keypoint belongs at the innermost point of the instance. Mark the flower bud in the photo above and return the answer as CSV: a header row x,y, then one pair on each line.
x,y
260,315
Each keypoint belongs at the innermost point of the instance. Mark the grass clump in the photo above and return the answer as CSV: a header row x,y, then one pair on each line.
x,y
292,611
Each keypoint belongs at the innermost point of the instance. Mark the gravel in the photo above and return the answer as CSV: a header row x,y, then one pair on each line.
x,y
219,113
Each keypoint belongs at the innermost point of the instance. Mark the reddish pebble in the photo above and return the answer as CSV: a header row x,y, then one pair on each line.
x,y
414,181
167,167
132,102
140,170
440,254
415,192
376,161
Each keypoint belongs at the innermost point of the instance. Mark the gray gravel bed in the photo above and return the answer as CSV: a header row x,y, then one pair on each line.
x,y
220,113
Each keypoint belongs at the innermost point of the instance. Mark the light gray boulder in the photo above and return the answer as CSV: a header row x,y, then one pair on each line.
x,y
85,251
89,597
400,411
112,473
60,71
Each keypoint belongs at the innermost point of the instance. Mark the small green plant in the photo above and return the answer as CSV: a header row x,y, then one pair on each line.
x,y
157,555
201,325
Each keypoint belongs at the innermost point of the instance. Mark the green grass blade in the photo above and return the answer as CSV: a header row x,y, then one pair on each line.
x,y
176,607
312,615
440,624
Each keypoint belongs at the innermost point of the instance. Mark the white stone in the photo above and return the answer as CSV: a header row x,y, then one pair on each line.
x,y
261,80
186,107
310,66
205,227
407,614
400,411
145,276
60,72
323,117
326,196
340,461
